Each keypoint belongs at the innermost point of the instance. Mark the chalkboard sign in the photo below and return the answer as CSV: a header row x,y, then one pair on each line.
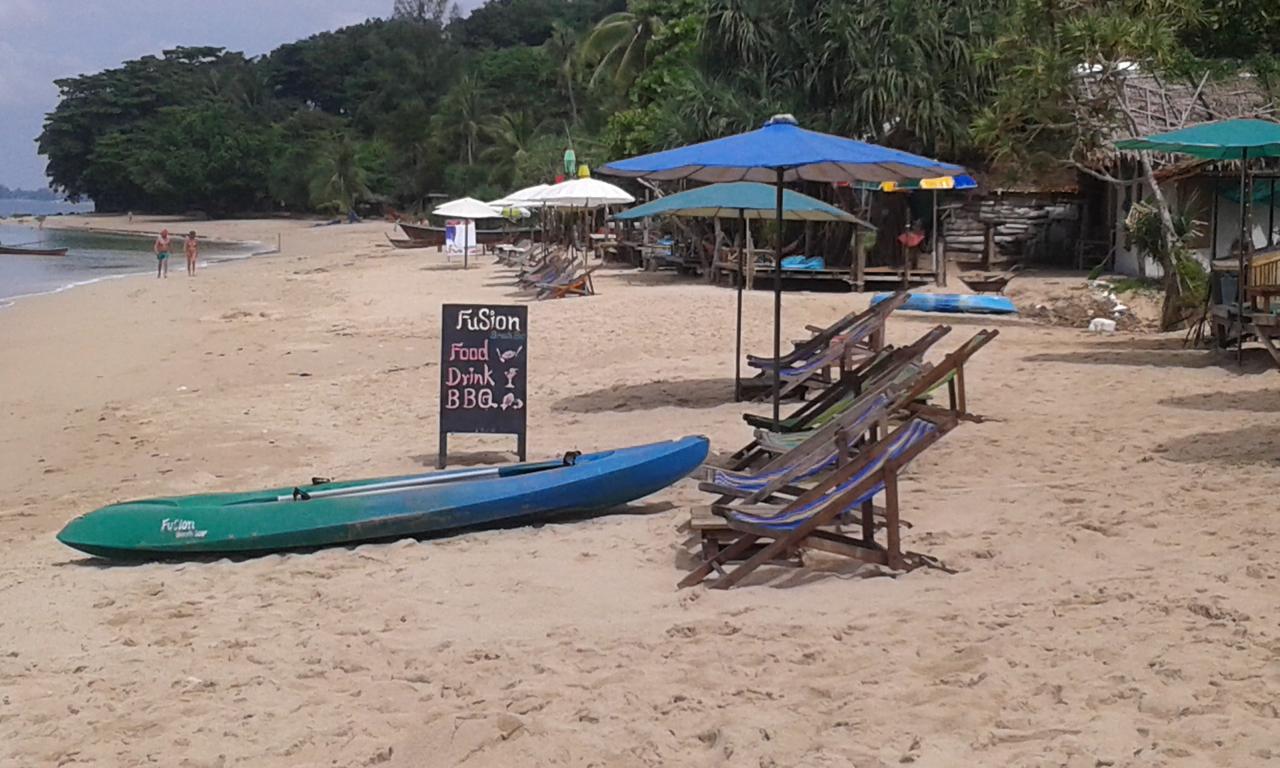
x,y
483,372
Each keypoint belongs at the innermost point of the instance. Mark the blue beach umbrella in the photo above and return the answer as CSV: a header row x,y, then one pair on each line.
x,y
780,152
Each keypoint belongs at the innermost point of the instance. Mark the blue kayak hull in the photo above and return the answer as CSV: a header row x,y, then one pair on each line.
x,y
954,302
351,512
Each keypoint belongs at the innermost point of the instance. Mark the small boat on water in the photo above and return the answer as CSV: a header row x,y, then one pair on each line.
x,y
14,250
326,513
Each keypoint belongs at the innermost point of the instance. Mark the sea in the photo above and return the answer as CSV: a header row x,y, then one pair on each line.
x,y
91,256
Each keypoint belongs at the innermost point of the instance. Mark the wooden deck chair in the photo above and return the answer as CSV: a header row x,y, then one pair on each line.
x,y
948,372
848,491
571,283
550,270
834,444
885,363
874,317
812,362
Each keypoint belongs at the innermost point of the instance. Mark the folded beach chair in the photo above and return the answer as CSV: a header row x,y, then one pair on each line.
x,y
847,493
569,283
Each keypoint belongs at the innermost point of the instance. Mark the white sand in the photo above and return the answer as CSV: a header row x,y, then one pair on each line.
x,y
1113,526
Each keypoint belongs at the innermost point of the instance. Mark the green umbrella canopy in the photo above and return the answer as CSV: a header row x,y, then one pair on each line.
x,y
746,199
1222,140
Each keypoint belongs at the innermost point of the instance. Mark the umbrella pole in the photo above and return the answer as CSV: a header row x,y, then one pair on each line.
x,y
1244,226
777,309
737,352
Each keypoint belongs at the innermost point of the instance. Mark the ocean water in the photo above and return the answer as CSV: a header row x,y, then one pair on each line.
x,y
15,206
90,257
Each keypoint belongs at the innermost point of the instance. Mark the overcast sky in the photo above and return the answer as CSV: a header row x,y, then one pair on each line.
x,y
41,40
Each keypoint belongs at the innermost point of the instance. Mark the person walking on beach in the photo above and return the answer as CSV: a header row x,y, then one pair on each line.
x,y
192,249
162,247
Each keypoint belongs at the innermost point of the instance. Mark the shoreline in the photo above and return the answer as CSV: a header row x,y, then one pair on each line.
x,y
7,302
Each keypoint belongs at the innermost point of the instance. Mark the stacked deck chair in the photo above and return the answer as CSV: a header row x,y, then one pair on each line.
x,y
549,269
888,364
851,338
777,518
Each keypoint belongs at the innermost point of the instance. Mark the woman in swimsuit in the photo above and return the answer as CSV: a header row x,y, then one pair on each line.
x,y
192,249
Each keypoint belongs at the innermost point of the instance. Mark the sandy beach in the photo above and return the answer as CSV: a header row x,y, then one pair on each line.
x,y
1112,526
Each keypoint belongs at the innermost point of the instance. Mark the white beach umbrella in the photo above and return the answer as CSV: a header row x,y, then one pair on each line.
x,y
583,193
521,198
467,208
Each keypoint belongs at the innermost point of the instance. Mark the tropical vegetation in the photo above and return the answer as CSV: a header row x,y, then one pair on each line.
x,y
390,111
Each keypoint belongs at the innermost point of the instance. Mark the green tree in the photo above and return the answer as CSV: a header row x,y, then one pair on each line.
x,y
562,47
511,137
616,47
338,179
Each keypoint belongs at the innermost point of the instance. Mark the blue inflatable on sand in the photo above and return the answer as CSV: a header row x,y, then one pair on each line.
x,y
803,263
954,302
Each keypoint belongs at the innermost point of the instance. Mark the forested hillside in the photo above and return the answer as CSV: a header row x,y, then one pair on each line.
x,y
387,111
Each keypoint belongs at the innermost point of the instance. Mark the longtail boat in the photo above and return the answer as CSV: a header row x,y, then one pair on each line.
x,y
14,250
400,242
435,235
326,513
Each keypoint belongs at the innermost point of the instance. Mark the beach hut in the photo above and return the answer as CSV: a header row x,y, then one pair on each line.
x,y
741,200
780,152
1241,141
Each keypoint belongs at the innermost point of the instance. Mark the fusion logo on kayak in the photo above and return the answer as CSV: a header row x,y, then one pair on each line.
x,y
181,529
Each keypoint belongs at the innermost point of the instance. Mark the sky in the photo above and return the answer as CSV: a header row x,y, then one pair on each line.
x,y
42,40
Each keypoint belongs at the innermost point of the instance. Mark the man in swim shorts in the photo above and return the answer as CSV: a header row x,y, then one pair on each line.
x,y
161,248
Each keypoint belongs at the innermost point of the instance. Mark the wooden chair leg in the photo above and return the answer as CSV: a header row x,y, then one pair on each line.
x,y
894,548
738,547
774,549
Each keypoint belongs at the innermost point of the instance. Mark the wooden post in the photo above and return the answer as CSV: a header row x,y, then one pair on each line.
x,y
1271,218
1213,226
988,245
749,260
939,273
859,264
942,260
713,272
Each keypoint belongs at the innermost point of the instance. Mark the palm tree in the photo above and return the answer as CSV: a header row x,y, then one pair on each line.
x,y
562,47
617,46
338,178
463,107
511,136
